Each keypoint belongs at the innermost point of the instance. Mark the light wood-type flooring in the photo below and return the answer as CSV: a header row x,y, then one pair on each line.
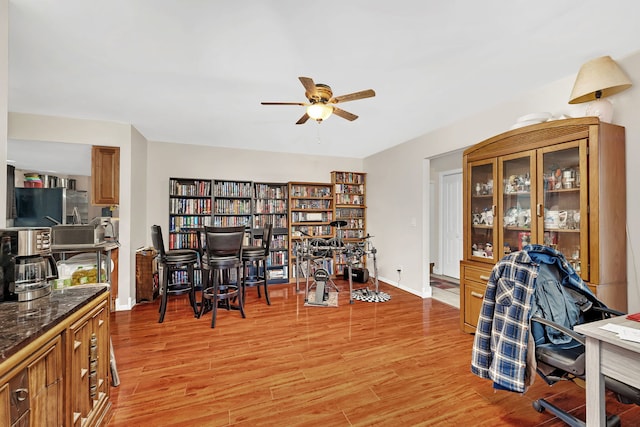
x,y
399,363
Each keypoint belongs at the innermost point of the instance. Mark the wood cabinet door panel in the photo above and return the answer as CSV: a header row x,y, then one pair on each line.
x,y
105,175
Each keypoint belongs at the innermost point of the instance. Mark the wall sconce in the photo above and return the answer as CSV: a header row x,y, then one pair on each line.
x,y
597,79
319,111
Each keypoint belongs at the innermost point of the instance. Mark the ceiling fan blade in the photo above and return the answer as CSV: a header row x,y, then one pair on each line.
x,y
353,96
283,103
303,119
309,85
344,114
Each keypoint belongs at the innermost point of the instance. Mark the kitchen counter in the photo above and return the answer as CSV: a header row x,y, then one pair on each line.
x,y
23,322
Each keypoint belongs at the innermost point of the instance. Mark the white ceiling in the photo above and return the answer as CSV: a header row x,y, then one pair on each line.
x,y
195,71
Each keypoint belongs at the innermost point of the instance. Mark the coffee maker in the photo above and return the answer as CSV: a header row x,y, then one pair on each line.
x,y
27,267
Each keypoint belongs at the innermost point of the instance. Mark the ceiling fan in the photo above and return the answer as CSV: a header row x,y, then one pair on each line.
x,y
321,101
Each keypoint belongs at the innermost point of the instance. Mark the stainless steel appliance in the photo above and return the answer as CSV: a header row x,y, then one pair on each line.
x,y
27,267
43,207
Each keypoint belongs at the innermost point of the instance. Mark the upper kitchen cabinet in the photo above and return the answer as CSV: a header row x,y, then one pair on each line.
x,y
560,184
105,176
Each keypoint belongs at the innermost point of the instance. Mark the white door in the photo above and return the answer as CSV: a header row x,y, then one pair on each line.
x,y
451,223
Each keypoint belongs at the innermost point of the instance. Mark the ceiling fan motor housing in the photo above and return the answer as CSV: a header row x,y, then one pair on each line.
x,y
322,94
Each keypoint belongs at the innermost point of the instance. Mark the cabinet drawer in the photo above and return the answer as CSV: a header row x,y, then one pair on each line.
x,y
473,296
476,274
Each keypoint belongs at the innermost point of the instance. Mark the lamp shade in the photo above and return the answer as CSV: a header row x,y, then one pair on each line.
x,y
319,111
598,75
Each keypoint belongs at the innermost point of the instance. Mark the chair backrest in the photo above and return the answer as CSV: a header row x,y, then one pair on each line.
x,y
266,238
224,241
158,243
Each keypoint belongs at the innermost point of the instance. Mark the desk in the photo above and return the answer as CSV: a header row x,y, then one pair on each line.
x,y
606,354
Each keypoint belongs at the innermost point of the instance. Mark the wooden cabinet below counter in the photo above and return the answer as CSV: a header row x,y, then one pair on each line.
x,y
57,375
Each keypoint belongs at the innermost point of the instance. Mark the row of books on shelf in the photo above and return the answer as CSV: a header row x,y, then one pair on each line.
x,y
354,223
231,221
183,241
277,258
278,242
270,206
352,234
309,191
278,221
233,189
350,199
311,216
190,206
349,188
232,206
349,177
310,204
192,188
185,223
311,230
268,191
181,277
279,273
346,213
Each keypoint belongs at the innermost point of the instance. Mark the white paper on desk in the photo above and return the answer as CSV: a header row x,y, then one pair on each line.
x,y
624,332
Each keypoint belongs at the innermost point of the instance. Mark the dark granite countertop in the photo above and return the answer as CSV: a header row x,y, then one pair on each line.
x,y
22,322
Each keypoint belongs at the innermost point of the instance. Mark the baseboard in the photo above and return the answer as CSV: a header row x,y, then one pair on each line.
x,y
124,307
426,294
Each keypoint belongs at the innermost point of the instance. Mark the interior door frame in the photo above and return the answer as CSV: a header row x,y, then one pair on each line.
x,y
441,213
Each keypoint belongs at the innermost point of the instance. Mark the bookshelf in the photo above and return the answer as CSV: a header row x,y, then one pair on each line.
x,y
189,211
232,202
271,207
310,212
349,189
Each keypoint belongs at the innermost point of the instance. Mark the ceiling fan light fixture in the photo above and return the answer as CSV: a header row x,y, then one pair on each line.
x,y
319,111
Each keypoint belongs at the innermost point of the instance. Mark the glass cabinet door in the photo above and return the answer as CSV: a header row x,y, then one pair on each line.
x,y
518,189
562,202
483,211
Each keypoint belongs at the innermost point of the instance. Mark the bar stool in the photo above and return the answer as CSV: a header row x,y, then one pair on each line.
x,y
224,254
171,261
254,259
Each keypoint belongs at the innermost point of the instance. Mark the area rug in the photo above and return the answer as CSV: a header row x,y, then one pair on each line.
x,y
331,302
443,284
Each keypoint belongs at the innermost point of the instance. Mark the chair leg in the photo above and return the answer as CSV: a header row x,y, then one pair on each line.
x,y
240,296
216,280
164,289
192,289
266,282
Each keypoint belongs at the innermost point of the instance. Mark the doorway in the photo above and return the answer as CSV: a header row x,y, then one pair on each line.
x,y
450,230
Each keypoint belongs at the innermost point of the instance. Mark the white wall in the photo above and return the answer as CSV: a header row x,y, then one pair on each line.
x,y
398,180
167,160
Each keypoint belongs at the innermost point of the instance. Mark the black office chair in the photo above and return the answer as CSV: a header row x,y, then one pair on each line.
x,y
172,261
224,261
566,361
256,273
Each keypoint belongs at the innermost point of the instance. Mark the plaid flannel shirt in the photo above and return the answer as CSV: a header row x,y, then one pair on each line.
x,y
500,344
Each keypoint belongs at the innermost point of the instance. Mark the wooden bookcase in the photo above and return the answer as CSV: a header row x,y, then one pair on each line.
x,y
310,212
232,202
349,189
560,184
271,207
189,210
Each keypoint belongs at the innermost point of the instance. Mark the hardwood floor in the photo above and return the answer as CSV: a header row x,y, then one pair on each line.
x,y
402,362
